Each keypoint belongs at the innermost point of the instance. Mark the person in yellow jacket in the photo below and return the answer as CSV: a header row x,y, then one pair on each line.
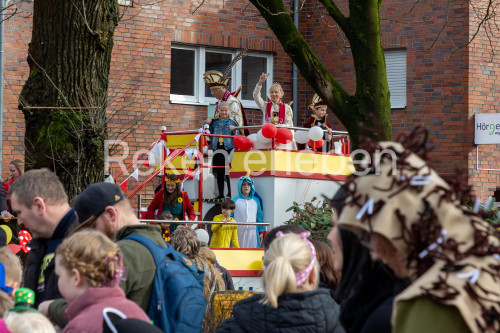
x,y
224,235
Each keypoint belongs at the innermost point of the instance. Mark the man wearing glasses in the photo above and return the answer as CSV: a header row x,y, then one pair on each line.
x,y
41,204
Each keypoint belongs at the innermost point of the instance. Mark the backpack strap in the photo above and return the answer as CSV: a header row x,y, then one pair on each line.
x,y
151,246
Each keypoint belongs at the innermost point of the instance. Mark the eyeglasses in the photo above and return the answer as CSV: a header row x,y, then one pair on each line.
x,y
87,223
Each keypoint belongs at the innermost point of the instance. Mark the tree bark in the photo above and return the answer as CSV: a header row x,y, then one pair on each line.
x,y
64,98
370,105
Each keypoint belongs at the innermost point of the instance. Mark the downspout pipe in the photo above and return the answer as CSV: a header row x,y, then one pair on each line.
x,y
295,77
3,4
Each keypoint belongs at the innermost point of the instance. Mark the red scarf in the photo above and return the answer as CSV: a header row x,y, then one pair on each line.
x,y
269,107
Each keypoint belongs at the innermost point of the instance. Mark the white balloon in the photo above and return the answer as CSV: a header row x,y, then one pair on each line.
x,y
302,137
252,137
258,145
261,139
315,133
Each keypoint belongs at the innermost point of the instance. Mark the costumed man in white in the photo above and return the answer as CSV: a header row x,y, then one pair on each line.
x,y
218,87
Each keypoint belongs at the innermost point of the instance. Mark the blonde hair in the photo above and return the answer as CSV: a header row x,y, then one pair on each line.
x,y
286,256
224,103
13,269
19,164
6,303
92,254
277,85
28,321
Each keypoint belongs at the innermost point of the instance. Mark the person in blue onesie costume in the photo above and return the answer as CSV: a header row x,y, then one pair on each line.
x,y
248,209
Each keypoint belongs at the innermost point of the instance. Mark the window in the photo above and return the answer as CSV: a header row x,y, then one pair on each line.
x,y
125,3
395,61
190,62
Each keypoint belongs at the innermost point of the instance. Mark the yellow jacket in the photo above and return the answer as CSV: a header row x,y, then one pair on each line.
x,y
224,235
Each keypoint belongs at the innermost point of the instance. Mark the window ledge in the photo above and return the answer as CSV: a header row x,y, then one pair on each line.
x,y
173,101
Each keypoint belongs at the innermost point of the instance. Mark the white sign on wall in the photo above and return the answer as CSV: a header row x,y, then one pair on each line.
x,y
487,128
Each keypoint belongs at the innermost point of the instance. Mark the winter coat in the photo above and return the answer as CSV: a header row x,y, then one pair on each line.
x,y
85,312
36,257
157,203
310,311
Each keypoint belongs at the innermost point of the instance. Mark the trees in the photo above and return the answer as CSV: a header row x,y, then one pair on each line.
x,y
370,105
64,99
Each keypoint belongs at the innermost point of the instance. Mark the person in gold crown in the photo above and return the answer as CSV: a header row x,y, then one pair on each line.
x,y
171,199
218,87
319,119
275,110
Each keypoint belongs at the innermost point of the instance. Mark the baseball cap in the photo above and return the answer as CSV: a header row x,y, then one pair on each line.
x,y
94,200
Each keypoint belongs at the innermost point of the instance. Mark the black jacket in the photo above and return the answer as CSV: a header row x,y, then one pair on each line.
x,y
35,261
311,311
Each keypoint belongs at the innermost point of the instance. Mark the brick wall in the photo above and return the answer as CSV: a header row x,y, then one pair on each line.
x,y
484,97
443,89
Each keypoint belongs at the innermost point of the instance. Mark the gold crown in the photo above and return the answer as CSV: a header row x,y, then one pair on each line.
x,y
214,79
316,101
171,181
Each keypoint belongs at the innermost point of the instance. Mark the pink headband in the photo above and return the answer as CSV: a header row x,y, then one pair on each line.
x,y
301,276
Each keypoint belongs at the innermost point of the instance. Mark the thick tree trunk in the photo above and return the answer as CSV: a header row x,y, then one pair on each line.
x,y
64,98
370,105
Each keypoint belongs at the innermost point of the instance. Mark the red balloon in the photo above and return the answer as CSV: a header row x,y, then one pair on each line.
x,y
316,144
242,142
284,135
269,131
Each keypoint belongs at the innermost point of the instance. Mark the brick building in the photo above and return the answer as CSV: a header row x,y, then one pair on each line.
x,y
161,50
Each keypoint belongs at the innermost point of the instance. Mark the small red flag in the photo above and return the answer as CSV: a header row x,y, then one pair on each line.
x,y
124,186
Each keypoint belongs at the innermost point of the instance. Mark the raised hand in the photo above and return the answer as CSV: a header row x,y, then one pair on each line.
x,y
263,77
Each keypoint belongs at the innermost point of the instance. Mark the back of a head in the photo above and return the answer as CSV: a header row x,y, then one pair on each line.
x,y
41,183
326,261
286,229
13,269
28,321
94,255
185,241
286,256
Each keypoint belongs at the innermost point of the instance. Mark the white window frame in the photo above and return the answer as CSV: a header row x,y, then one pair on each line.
x,y
396,69
199,97
127,3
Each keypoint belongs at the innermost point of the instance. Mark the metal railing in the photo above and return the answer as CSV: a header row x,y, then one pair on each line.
x,y
263,224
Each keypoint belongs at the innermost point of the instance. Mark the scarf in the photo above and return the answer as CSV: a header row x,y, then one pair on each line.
x,y
281,119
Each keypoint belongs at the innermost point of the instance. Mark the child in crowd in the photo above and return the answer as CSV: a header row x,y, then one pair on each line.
x,y
222,147
292,301
11,275
224,235
28,321
319,119
89,267
275,110
248,208
165,227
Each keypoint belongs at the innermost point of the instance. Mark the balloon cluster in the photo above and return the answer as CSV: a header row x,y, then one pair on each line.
x,y
314,137
263,138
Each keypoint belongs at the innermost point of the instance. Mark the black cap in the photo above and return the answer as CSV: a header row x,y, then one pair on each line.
x,y
115,321
94,200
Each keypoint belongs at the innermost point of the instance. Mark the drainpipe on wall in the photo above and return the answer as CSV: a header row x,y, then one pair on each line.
x,y
3,4
294,68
